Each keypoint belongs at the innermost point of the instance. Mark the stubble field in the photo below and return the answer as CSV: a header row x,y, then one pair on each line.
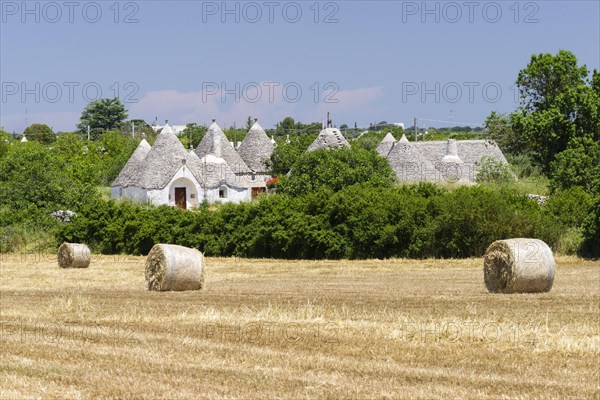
x,y
296,329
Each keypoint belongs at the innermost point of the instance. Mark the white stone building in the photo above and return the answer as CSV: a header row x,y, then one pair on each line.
x,y
168,174
439,161
329,138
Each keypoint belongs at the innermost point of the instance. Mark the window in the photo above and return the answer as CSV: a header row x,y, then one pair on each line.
x,y
223,192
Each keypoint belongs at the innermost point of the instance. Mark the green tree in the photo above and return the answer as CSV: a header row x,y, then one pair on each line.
x,y
286,127
40,133
116,150
103,115
499,129
249,123
290,127
336,169
194,133
141,128
591,231
558,103
32,177
82,159
369,140
287,153
578,165
235,135
5,141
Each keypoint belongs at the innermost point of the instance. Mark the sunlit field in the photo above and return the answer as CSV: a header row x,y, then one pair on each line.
x,y
296,329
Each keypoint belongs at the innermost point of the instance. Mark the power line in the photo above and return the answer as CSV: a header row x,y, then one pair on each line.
x,y
450,122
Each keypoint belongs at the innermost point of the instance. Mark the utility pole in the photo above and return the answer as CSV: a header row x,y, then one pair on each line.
x,y
88,133
415,129
132,130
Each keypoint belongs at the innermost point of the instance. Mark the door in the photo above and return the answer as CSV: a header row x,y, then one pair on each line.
x,y
181,198
256,191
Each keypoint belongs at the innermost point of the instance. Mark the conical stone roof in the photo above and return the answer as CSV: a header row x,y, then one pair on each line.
x,y
215,143
386,145
214,172
162,162
409,164
256,148
329,138
133,165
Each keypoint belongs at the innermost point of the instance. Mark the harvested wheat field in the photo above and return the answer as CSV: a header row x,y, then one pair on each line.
x,y
306,329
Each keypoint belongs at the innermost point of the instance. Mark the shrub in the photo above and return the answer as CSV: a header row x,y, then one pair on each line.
x,y
469,219
336,169
578,165
492,171
31,177
359,221
568,207
591,231
522,165
570,241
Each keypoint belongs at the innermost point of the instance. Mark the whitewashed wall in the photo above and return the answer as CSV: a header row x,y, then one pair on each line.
x,y
134,194
234,195
182,178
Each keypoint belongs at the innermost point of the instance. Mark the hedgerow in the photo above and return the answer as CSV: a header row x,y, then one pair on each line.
x,y
356,222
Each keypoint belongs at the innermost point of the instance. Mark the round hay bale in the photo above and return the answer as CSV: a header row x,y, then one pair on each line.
x,y
518,266
172,267
74,255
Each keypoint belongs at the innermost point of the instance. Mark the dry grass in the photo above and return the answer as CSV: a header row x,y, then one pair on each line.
x,y
310,329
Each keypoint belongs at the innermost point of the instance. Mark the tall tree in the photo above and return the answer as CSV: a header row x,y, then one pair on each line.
x,y
558,103
249,123
285,127
103,115
500,130
40,133
194,133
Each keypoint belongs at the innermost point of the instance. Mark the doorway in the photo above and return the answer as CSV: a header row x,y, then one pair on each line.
x,y
181,198
257,191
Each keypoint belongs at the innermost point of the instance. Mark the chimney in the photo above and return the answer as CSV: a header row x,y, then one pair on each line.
x,y
451,152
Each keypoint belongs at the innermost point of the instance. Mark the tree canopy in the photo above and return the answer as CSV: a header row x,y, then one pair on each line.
x,y
336,169
288,126
194,133
40,133
559,110
33,178
287,152
103,115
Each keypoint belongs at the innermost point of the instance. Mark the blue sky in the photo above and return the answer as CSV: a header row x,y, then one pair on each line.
x,y
447,63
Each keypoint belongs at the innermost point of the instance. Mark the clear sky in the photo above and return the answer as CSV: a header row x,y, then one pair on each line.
x,y
446,63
